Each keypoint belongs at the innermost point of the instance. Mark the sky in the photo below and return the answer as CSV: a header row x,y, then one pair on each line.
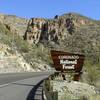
x,y
50,8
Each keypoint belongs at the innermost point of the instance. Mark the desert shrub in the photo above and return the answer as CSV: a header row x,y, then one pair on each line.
x,y
95,97
10,51
6,40
92,97
5,36
92,72
38,52
3,28
21,45
66,96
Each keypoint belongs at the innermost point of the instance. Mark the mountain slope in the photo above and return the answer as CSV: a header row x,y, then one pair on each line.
x,y
35,38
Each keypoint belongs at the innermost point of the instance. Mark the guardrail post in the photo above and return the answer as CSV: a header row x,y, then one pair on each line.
x,y
55,95
47,84
50,94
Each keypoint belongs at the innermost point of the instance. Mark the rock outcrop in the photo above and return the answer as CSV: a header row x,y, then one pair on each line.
x,y
41,30
34,30
56,30
12,61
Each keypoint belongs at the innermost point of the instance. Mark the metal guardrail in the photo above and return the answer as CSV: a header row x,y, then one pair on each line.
x,y
48,91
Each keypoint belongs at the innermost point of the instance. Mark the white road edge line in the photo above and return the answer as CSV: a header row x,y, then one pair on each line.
x,y
4,85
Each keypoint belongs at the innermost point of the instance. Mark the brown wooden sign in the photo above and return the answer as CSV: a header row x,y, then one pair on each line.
x,y
64,61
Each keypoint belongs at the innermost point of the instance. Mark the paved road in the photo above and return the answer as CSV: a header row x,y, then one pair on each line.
x,y
23,86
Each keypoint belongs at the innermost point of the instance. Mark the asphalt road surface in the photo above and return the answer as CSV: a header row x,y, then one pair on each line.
x,y
22,86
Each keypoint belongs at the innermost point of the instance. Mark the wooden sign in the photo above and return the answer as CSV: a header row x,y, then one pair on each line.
x,y
64,61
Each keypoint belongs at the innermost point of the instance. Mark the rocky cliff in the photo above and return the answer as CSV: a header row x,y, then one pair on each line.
x,y
56,30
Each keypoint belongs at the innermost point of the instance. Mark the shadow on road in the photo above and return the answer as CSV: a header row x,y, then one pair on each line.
x,y
34,92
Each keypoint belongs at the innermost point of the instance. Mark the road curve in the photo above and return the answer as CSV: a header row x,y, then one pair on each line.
x,y
21,86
